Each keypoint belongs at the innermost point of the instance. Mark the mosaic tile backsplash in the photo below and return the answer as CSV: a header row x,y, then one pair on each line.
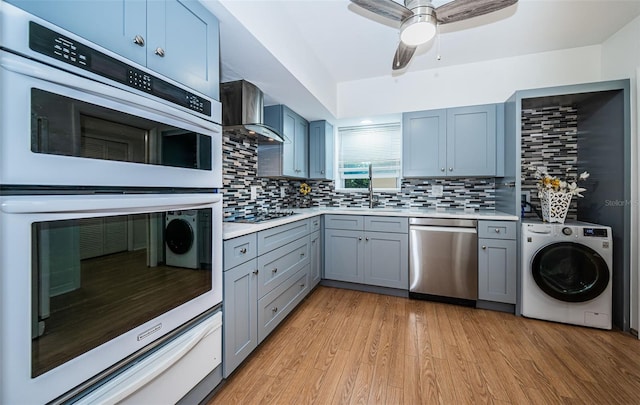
x,y
549,139
240,174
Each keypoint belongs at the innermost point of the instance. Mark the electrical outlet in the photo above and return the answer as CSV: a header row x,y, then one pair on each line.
x,y
254,193
437,190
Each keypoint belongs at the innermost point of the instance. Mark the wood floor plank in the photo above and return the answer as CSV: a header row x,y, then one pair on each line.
x,y
342,346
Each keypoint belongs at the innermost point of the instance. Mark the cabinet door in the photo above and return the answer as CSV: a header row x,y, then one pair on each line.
x,y
497,270
183,44
471,141
387,259
301,148
424,143
315,272
344,255
320,150
240,314
112,24
289,125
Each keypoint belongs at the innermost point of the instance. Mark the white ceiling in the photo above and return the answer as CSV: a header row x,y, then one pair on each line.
x,y
313,45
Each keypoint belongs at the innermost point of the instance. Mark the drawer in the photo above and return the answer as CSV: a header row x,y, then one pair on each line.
x,y
273,238
347,222
386,224
278,265
239,250
497,229
315,223
276,305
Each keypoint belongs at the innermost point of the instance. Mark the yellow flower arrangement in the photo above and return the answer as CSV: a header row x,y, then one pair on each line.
x,y
552,183
305,189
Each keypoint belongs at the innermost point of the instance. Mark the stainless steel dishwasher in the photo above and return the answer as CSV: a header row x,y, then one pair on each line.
x,y
443,261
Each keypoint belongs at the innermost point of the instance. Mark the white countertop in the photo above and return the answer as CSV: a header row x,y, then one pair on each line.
x,y
235,229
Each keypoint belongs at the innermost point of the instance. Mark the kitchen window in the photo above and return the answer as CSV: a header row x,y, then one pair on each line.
x,y
379,145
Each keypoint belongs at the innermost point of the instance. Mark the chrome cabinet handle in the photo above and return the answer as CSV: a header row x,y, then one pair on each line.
x,y
451,169
321,171
138,40
497,230
302,285
367,239
302,254
442,169
359,237
255,272
243,250
484,248
160,52
274,309
274,270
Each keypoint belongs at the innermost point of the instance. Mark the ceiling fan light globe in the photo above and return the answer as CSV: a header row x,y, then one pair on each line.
x,y
418,30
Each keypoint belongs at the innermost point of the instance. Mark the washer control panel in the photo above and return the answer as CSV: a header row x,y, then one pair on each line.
x,y
596,232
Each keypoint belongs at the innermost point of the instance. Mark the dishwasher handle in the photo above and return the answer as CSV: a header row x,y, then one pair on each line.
x,y
455,222
452,229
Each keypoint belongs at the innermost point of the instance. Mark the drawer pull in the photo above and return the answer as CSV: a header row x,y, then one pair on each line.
x,y
275,270
484,248
359,237
451,169
274,309
243,250
497,230
301,254
302,285
367,239
255,272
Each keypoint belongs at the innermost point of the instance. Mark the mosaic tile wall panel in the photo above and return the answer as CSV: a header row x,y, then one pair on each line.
x,y
240,173
549,138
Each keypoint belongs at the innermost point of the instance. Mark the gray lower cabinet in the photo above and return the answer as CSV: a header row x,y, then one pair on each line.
x,y
373,255
266,274
315,265
240,314
497,261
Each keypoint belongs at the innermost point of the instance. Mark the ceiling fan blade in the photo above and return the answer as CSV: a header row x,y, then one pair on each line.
x,y
459,10
403,55
386,8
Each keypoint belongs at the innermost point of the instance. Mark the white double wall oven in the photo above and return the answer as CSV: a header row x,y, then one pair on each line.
x,y
110,211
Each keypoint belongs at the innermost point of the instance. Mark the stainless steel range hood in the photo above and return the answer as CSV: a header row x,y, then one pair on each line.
x,y
242,112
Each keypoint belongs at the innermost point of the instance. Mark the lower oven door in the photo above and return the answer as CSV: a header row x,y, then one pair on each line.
x,y
87,281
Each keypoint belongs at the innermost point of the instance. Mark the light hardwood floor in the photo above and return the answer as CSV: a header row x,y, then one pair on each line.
x,y
342,346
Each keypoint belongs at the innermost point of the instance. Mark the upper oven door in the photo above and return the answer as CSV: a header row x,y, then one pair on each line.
x,y
60,129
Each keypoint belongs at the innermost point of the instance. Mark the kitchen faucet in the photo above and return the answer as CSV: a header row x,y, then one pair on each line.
x,y
372,203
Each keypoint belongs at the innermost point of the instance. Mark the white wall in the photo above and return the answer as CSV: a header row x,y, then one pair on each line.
x,y
621,60
477,83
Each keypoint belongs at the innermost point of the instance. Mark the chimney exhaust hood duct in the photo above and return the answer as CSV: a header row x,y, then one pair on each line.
x,y
242,112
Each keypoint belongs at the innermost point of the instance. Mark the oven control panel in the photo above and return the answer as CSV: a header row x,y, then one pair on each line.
x,y
50,43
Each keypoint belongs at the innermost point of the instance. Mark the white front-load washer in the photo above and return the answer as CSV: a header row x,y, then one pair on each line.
x,y
181,239
566,273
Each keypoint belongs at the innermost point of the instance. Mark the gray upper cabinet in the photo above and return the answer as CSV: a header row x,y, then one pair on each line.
x,y
321,141
424,143
451,143
176,38
288,159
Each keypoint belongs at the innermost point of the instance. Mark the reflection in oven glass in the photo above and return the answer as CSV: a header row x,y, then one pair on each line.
x,y
97,278
67,127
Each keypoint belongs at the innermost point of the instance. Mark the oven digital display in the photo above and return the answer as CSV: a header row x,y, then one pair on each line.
x,y
50,43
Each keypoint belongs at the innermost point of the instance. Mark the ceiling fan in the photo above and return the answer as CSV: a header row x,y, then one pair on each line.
x,y
418,19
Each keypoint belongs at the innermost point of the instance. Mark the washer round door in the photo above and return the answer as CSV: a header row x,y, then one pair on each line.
x,y
570,272
178,236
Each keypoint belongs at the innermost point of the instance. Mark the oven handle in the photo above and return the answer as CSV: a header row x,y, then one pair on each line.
x,y
59,77
107,204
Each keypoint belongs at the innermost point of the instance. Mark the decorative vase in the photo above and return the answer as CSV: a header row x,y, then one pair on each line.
x,y
555,205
